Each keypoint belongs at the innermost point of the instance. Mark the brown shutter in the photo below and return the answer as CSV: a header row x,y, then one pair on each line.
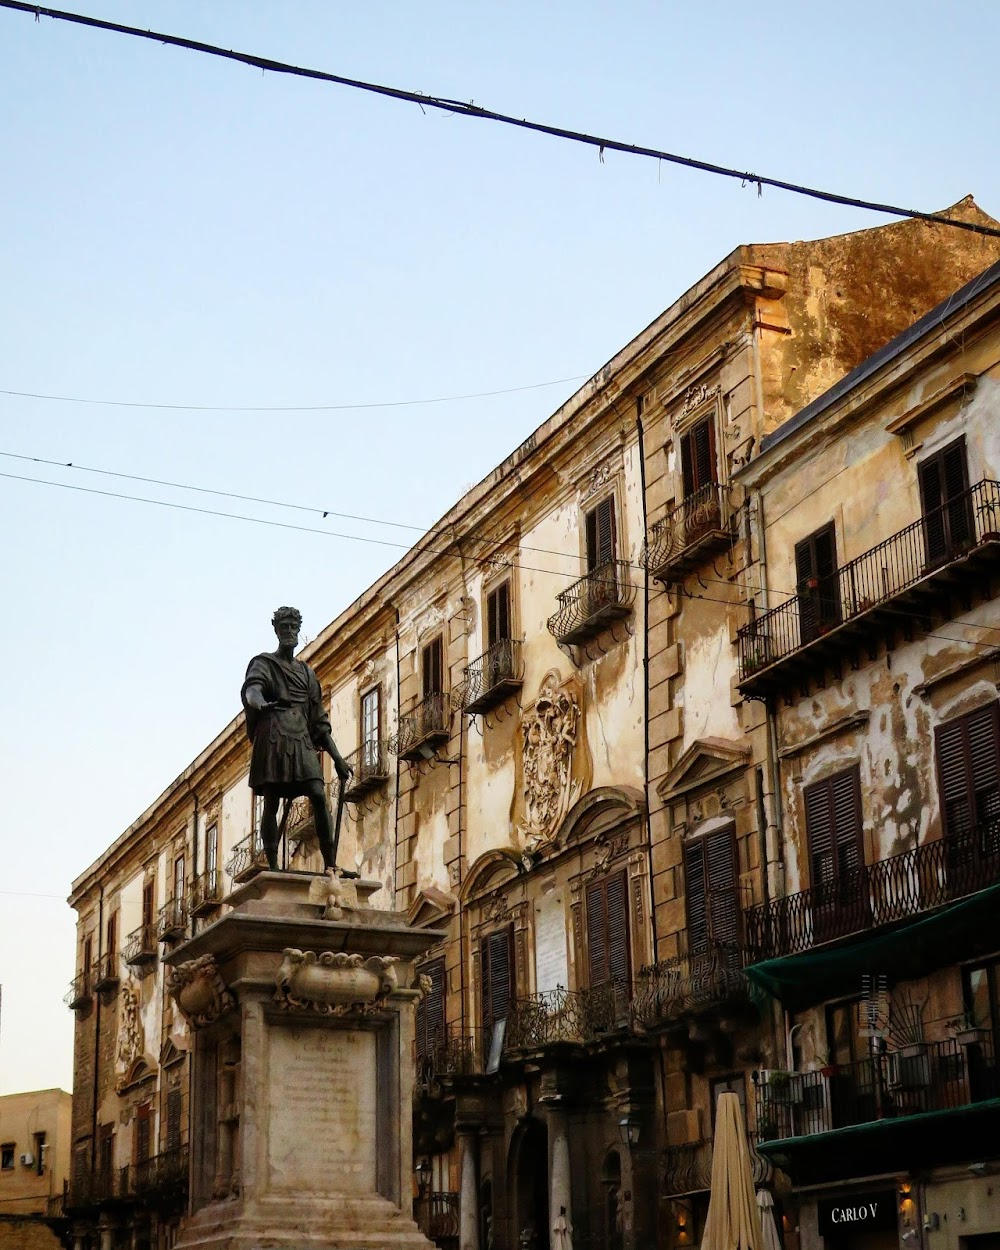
x,y
433,668
112,934
173,1119
817,582
723,913
143,1123
147,903
944,480
833,826
608,954
968,758
430,1009
698,457
498,615
496,956
601,534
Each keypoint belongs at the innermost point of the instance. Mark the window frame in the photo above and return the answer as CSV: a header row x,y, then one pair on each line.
x,y
8,1156
621,939
840,902
719,902
695,459
433,644
954,512
493,638
592,549
369,745
429,1033
818,592
488,1016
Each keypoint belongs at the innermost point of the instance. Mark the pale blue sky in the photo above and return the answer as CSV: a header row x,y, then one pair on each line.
x,y
183,230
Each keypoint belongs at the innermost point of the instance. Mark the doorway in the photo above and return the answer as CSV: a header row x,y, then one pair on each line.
x,y
531,1187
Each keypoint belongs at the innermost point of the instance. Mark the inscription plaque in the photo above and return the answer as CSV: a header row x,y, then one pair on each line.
x,y
322,1110
551,959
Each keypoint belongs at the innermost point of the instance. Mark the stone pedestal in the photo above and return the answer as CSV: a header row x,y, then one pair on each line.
x,y
301,1000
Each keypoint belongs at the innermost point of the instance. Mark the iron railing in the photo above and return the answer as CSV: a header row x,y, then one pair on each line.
x,y
941,536
690,983
207,892
495,675
699,525
248,857
593,602
560,1015
80,992
436,1215
425,725
876,894
162,1174
142,946
106,971
172,919
927,1076
371,769
687,1168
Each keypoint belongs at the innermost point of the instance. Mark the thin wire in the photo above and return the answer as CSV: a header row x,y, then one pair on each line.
x,y
463,108
397,403
28,894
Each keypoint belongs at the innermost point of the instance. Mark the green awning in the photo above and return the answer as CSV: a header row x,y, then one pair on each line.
x,y
959,930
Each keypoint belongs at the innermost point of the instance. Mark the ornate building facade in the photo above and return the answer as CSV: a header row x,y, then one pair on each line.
x,y
560,759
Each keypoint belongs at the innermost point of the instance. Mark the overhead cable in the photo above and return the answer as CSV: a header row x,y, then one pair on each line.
x,y
468,108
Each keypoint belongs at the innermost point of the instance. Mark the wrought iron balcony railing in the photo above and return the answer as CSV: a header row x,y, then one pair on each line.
x,y
436,1215
876,894
691,984
371,770
106,971
555,1016
207,892
247,859
927,1076
689,534
142,946
830,614
590,605
161,1175
172,920
81,991
493,677
456,1052
423,729
687,1168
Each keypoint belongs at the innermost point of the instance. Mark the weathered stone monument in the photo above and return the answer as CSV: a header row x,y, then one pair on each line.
x,y
301,1000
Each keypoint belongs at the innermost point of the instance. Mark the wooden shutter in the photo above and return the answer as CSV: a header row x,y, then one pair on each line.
x,y
817,582
88,958
112,935
498,615
608,953
430,1009
433,667
147,903
173,1141
601,537
833,826
968,759
698,457
143,1124
212,853
710,883
496,972
944,480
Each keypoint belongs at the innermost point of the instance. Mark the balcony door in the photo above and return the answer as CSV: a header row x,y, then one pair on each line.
x,y
713,913
968,762
700,474
945,502
371,730
496,981
430,1019
602,549
609,958
817,583
840,903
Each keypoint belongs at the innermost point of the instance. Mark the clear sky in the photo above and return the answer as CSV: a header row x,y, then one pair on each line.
x,y
181,230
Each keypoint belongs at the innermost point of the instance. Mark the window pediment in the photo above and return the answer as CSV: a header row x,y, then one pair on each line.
x,y
704,762
430,908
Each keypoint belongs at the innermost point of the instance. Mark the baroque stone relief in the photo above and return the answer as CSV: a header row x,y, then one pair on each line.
x,y
334,983
131,1037
199,991
550,731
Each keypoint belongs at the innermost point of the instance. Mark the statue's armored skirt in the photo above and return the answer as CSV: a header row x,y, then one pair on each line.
x,y
286,739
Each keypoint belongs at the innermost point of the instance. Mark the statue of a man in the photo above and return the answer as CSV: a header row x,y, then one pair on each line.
x,y
288,726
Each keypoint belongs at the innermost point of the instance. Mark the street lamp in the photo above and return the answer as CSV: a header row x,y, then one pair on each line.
x,y
423,1175
629,1131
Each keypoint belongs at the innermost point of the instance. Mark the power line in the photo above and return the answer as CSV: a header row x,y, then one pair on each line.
x,y
464,108
397,403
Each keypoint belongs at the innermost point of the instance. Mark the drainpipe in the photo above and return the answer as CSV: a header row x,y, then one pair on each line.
x,y
194,857
645,691
775,840
395,832
97,1040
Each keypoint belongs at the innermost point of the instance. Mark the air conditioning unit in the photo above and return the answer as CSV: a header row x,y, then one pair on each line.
x,y
28,1160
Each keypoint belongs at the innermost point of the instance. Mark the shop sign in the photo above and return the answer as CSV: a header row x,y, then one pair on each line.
x,y
851,1213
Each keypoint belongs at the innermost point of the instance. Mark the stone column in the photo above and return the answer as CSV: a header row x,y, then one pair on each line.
x,y
106,1230
468,1201
560,1185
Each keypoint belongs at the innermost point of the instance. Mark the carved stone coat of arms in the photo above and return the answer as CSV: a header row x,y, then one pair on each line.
x,y
550,734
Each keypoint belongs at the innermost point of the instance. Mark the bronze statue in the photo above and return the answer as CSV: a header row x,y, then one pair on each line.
x,y
288,727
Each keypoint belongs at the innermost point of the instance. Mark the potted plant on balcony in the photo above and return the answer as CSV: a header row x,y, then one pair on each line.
x,y
781,1090
967,1031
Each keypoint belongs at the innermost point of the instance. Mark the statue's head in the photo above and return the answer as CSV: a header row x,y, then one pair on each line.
x,y
287,622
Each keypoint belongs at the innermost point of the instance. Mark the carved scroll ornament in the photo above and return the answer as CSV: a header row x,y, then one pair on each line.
x,y
550,733
334,983
199,991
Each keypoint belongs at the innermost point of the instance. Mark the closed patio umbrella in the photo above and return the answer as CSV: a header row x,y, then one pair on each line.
x,y
767,1224
733,1220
